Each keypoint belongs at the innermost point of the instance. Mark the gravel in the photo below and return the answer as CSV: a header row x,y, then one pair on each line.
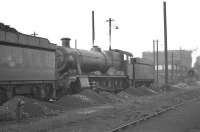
x,y
140,91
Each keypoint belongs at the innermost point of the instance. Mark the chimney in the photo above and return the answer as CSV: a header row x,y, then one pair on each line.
x,y
66,42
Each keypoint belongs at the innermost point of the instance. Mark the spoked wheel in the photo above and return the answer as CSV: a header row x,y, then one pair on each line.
x,y
75,87
40,92
3,96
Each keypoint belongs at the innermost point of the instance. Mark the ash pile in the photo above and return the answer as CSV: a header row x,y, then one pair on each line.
x,y
27,108
33,108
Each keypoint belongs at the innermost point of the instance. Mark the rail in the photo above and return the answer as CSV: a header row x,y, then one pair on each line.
x,y
133,123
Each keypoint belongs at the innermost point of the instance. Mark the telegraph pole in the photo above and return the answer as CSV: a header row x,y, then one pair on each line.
x,y
180,63
154,61
93,29
75,44
110,23
165,37
172,66
157,63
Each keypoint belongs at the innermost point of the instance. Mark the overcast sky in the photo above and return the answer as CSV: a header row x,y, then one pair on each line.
x,y
139,21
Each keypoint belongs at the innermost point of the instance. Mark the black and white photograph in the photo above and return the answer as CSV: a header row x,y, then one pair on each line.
x,y
99,66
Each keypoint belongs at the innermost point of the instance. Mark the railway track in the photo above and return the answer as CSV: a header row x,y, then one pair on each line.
x,y
124,126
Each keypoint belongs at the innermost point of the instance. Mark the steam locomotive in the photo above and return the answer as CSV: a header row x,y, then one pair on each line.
x,y
33,66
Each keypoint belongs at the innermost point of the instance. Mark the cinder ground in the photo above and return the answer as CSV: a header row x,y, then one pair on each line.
x,y
103,116
185,118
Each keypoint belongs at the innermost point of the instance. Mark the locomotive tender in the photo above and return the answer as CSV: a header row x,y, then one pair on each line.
x,y
34,66
27,64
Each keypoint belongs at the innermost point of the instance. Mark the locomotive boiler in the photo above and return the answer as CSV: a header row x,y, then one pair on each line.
x,y
94,60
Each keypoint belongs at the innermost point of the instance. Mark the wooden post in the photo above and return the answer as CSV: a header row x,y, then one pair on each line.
x,y
154,61
157,64
93,29
165,38
172,67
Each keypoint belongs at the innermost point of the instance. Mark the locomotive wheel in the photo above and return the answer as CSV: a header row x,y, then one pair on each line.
x,y
3,96
41,92
75,87
9,92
